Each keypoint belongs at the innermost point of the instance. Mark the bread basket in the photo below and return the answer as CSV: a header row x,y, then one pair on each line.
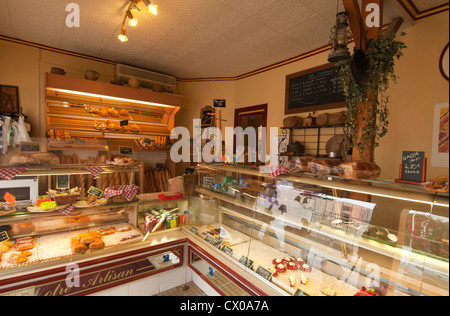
x,y
65,199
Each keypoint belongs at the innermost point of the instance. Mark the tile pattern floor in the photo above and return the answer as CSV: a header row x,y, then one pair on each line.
x,y
188,289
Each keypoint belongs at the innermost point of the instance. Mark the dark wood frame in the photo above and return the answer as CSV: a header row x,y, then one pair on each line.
x,y
238,113
16,106
211,110
288,110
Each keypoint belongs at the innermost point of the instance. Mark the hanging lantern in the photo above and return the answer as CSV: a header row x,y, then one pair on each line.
x,y
340,35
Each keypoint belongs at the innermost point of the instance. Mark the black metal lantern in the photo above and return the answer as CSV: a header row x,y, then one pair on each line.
x,y
340,35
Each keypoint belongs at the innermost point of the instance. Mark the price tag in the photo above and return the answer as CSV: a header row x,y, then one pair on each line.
x,y
218,242
211,271
246,262
124,123
4,236
194,230
227,250
62,182
96,192
210,239
266,274
166,258
147,141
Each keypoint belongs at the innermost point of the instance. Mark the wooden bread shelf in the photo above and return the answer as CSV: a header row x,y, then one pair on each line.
x,y
94,110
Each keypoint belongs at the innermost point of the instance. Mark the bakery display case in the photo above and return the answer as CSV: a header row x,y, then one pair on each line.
x,y
54,223
324,235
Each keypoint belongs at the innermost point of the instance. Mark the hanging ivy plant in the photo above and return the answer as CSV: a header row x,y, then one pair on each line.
x,y
381,55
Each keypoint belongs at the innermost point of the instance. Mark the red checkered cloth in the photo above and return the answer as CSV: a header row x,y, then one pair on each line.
x,y
275,171
127,191
95,171
67,211
9,173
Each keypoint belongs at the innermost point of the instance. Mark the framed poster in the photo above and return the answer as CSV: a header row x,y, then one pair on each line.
x,y
440,145
9,100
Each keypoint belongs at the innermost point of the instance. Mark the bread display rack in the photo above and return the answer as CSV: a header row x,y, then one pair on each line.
x,y
89,110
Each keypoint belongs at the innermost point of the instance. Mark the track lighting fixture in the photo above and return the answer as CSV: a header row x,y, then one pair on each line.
x,y
153,9
123,36
132,21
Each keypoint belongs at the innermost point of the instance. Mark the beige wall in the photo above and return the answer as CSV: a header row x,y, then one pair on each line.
x,y
420,86
25,66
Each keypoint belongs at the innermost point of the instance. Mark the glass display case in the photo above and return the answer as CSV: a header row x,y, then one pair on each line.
x,y
304,234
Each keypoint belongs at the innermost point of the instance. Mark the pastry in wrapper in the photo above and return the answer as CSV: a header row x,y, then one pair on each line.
x,y
359,170
324,166
439,184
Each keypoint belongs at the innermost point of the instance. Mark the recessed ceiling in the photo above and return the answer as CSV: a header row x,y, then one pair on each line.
x,y
188,38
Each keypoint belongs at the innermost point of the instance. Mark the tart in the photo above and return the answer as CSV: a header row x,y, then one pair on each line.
x,y
306,268
287,260
300,261
280,268
328,291
277,261
292,266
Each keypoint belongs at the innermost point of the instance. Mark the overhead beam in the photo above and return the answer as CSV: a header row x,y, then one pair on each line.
x,y
394,26
356,24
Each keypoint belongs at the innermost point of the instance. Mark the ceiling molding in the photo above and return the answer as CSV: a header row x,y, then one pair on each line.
x,y
416,14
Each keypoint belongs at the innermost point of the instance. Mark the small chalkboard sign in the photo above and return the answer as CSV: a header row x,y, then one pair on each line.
x,y
246,262
219,103
63,182
96,192
266,274
4,236
126,150
124,123
218,242
227,250
194,230
413,168
210,239
207,116
30,147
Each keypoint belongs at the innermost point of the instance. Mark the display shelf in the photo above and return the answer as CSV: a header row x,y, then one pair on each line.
x,y
353,234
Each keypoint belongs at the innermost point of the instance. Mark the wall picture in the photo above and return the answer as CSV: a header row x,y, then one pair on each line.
x,y
440,150
9,100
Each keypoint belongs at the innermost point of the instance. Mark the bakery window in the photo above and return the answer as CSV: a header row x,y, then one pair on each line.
x,y
322,234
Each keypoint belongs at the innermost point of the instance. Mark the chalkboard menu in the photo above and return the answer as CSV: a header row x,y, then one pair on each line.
x,y
313,90
413,166
207,116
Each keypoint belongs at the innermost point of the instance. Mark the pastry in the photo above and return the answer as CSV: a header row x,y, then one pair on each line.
x,y
273,271
328,291
286,260
358,170
4,248
79,248
439,184
97,244
292,281
292,266
303,279
277,261
300,261
324,166
123,229
123,113
306,268
280,268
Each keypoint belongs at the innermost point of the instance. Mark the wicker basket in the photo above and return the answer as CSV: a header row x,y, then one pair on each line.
x,y
65,199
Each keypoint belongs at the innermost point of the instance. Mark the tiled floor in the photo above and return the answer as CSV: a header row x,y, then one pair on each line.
x,y
189,289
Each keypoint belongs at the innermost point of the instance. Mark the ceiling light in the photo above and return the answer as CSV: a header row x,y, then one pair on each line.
x,y
132,21
123,36
151,8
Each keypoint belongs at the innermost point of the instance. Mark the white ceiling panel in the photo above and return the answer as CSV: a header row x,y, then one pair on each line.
x,y
188,38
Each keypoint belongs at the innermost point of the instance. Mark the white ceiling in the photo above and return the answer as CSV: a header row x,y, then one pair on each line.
x,y
188,38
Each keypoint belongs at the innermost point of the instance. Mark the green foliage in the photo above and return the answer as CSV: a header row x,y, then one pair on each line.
x,y
381,54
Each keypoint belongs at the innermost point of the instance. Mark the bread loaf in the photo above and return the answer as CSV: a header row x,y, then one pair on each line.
x,y
293,121
324,166
34,159
359,170
302,163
